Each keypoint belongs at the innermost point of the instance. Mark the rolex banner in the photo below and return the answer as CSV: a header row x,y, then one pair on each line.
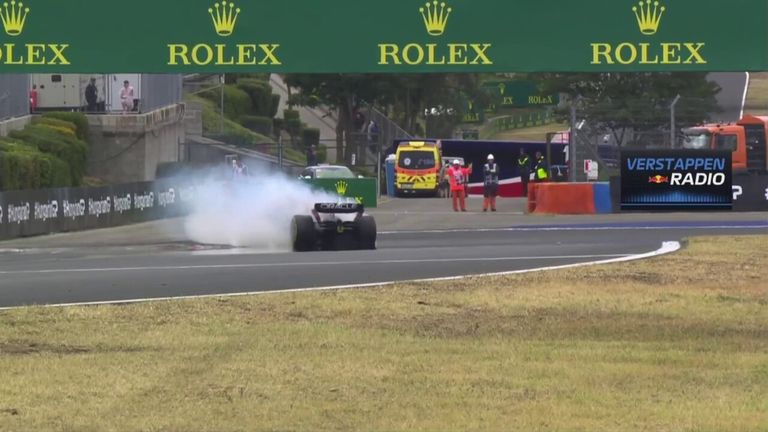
x,y
676,180
181,36
362,190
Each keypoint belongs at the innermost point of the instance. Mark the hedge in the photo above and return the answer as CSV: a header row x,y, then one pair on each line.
x,y
57,124
258,124
79,120
310,136
289,114
236,101
261,96
51,140
24,167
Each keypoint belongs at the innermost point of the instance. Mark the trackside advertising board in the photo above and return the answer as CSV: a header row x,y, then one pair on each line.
x,y
375,36
676,180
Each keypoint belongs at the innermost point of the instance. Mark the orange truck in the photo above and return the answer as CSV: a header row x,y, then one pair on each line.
x,y
746,139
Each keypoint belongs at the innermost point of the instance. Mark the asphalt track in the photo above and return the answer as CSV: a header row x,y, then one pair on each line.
x,y
78,269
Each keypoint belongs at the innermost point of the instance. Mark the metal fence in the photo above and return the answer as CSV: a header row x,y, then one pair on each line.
x,y
160,90
603,127
14,95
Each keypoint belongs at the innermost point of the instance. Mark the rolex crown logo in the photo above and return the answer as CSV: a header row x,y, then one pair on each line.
x,y
13,17
648,15
435,17
224,17
341,187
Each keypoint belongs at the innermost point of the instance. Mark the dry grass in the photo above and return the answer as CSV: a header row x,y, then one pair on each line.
x,y
757,94
676,343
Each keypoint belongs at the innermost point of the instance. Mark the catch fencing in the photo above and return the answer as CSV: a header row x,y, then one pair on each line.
x,y
603,127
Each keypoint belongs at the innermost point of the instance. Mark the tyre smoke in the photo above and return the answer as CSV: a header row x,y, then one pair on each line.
x,y
252,212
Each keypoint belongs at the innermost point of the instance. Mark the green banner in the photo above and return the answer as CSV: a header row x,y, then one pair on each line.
x,y
175,36
363,190
518,94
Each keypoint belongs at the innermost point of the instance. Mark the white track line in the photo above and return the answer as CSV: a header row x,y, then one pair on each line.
x,y
666,247
301,264
576,228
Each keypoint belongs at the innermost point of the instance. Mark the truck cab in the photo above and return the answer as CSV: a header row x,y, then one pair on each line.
x,y
746,139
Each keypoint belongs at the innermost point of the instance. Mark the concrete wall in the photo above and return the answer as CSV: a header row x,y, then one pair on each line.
x,y
6,126
128,148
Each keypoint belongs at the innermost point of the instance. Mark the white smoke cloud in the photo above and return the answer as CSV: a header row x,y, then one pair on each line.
x,y
250,212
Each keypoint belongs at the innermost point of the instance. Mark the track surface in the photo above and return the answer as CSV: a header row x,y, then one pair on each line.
x,y
75,269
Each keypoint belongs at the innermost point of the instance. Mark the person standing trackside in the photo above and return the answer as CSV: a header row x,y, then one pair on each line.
x,y
524,167
457,177
541,168
490,183
126,96
33,99
91,95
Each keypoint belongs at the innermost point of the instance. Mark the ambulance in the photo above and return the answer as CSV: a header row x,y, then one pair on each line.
x,y
417,168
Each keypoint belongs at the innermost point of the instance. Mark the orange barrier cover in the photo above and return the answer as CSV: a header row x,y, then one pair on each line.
x,y
562,198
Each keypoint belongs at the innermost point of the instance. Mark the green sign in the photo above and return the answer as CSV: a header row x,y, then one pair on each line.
x,y
518,94
363,190
183,36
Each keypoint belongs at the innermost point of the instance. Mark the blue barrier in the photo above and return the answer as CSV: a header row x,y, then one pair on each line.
x,y
602,197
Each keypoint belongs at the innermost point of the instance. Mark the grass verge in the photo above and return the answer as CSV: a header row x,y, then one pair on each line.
x,y
678,342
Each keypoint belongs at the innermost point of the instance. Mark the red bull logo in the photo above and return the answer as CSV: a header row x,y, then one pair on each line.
x,y
658,179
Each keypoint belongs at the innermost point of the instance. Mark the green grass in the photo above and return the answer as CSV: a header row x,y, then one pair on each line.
x,y
212,121
212,126
757,94
675,343
536,133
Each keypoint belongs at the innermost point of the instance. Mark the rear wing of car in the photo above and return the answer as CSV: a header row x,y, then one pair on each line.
x,y
339,208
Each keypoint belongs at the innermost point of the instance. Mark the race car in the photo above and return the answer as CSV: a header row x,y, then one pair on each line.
x,y
334,226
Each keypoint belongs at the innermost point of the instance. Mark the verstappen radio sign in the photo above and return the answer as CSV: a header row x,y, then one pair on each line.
x,y
676,180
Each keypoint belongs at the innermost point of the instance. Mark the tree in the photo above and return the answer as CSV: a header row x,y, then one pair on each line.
x,y
635,102
342,92
403,98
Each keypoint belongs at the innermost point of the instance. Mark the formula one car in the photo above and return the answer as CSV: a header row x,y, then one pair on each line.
x,y
334,226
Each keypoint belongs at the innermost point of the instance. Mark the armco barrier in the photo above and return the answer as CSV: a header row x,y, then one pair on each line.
x,y
45,211
363,190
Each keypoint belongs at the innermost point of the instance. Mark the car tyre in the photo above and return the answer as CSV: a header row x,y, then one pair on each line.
x,y
366,232
303,235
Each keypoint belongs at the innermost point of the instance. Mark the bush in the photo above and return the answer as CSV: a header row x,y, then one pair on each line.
x,y
57,123
292,126
310,136
236,101
261,97
51,140
79,120
277,125
24,167
258,124
289,114
322,154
